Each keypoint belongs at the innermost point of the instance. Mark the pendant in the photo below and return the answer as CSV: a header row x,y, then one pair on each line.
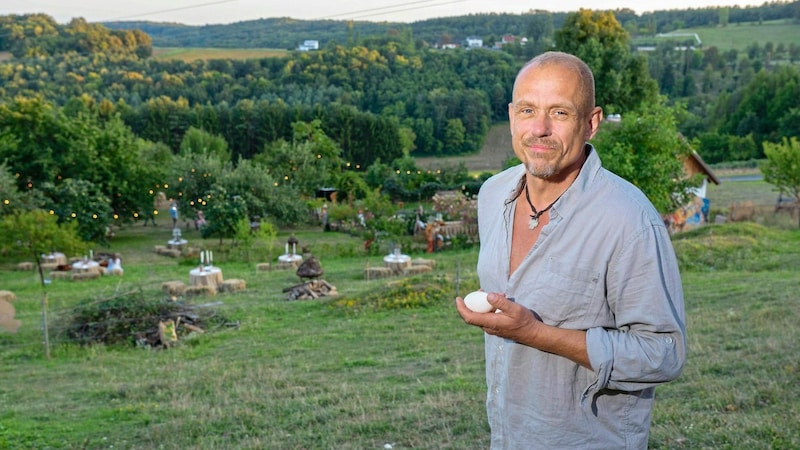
x,y
533,223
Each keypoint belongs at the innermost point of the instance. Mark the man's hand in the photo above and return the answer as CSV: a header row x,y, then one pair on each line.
x,y
510,320
522,325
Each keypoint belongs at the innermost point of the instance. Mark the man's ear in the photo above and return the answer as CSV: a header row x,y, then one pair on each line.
x,y
595,117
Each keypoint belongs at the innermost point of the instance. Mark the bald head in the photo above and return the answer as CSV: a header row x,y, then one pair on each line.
x,y
571,63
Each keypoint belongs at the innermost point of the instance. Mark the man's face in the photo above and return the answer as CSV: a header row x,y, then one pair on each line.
x,y
550,121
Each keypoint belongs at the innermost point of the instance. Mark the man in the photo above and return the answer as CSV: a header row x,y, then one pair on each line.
x,y
581,270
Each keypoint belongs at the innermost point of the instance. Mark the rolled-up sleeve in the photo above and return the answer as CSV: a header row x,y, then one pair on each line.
x,y
647,346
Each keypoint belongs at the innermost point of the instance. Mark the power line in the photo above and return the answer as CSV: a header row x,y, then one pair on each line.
x,y
182,8
411,9
382,8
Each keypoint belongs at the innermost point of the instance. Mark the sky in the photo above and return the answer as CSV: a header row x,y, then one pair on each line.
x,y
203,12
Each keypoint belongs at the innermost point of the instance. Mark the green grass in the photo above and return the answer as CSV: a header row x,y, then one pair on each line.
x,y
189,54
331,373
741,36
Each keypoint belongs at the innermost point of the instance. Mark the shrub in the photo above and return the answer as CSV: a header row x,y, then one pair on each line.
x,y
132,319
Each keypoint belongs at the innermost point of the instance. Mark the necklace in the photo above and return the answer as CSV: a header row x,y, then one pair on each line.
x,y
536,214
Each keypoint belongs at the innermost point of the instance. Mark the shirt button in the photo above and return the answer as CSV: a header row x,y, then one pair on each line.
x,y
668,340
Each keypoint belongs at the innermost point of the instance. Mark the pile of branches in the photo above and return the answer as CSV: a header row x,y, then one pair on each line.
x,y
136,319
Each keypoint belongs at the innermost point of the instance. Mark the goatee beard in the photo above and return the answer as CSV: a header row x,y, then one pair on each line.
x,y
540,168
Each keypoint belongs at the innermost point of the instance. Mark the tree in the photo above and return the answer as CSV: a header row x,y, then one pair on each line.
x,y
81,202
34,233
622,79
12,200
201,142
646,149
224,212
782,168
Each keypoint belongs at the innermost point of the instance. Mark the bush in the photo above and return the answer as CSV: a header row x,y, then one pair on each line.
x,y
133,319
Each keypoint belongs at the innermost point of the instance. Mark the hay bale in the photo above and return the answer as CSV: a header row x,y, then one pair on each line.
x,y
371,273
423,262
7,296
263,267
173,288
25,266
159,249
59,275
232,285
83,276
417,270
49,266
196,291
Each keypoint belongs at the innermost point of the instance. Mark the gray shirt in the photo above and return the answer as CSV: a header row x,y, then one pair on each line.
x,y
603,264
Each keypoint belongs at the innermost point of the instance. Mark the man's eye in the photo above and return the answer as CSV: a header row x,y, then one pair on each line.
x,y
560,114
526,111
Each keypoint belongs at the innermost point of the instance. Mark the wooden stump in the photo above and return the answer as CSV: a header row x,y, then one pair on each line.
x,y
233,285
173,288
196,291
287,265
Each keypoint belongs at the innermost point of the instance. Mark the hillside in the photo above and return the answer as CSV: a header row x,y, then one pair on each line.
x,y
495,151
288,33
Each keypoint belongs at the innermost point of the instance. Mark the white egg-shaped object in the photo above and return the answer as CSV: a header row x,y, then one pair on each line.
x,y
476,301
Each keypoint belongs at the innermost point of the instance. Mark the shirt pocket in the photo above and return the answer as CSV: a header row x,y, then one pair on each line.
x,y
570,289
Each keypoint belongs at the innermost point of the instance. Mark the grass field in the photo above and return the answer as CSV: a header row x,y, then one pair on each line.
x,y
388,363
740,36
188,54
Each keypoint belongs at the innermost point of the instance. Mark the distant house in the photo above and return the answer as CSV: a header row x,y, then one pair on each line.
x,y
473,42
308,44
505,40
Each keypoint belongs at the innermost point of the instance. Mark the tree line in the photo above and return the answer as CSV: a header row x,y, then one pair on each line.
x,y
288,33
92,137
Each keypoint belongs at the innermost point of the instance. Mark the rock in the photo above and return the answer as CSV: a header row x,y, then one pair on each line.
x,y
310,268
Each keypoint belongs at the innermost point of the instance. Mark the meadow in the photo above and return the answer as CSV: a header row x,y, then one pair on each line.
x,y
189,54
740,36
386,364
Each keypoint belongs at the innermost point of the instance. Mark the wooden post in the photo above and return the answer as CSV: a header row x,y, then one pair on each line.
x,y
44,326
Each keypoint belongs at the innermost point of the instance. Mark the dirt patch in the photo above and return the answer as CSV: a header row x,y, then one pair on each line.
x,y
496,150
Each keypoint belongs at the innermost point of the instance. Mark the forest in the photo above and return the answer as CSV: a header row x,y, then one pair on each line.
x,y
86,115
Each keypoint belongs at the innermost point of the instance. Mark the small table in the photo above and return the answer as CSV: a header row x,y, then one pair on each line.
x,y
208,276
83,267
290,258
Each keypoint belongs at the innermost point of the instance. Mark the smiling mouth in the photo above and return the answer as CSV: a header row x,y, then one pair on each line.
x,y
539,145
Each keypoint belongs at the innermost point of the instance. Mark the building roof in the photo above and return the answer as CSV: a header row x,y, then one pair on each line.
x,y
695,164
